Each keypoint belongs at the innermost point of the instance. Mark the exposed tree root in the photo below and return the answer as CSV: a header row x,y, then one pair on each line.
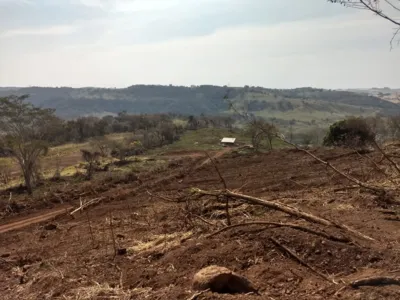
x,y
375,281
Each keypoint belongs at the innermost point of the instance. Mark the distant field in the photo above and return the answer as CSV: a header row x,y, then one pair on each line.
x,y
203,139
302,112
68,157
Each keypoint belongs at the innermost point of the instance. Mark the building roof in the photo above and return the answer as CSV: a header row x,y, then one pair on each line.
x,y
228,140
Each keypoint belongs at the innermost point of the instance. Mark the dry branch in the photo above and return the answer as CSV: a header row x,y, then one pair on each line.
x,y
345,188
387,157
204,220
327,164
290,210
290,225
228,217
375,281
273,205
86,204
112,235
394,219
298,259
376,166
217,170
196,295
90,228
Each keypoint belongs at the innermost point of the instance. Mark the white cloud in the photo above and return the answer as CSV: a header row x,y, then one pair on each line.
x,y
130,5
19,2
44,31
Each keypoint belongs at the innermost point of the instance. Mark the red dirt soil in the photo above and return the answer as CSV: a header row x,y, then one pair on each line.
x,y
166,242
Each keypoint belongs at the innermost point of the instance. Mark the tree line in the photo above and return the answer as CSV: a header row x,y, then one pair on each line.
x,y
27,131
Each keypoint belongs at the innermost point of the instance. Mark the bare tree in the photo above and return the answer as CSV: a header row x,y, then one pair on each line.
x,y
259,130
101,144
386,9
23,130
92,159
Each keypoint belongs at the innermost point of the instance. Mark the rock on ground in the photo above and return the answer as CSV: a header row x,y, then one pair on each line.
x,y
221,280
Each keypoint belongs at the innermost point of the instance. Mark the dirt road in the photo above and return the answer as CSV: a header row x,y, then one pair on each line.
x,y
28,220
33,219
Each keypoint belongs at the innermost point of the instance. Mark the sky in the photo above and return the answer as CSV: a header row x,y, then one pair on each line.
x,y
270,43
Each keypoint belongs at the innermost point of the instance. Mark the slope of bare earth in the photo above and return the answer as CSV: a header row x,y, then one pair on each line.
x,y
140,244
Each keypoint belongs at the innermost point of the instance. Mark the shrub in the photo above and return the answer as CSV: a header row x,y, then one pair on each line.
x,y
351,132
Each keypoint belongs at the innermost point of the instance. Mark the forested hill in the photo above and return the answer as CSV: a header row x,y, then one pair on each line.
x,y
207,99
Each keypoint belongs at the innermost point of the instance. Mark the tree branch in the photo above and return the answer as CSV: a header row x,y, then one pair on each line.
x,y
289,225
284,208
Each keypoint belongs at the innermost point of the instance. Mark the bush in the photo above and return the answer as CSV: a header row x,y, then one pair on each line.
x,y
352,132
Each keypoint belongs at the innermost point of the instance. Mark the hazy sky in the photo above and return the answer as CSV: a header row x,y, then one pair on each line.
x,y
117,43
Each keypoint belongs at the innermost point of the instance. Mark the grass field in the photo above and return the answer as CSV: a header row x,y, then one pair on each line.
x,y
203,139
303,111
67,158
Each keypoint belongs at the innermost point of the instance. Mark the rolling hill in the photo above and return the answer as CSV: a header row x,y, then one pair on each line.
x,y
303,106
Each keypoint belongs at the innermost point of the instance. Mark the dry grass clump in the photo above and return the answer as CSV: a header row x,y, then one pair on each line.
x,y
105,291
160,242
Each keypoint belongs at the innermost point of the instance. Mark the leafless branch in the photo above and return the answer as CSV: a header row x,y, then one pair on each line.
x,y
392,5
228,217
290,225
387,157
86,204
348,177
112,235
290,210
373,6
217,170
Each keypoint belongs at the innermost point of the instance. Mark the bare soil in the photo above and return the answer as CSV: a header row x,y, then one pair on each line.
x,y
139,244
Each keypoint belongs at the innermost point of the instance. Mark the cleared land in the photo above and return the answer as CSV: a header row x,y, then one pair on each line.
x,y
167,242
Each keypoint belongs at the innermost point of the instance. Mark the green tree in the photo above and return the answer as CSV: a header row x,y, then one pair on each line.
x,y
24,129
351,132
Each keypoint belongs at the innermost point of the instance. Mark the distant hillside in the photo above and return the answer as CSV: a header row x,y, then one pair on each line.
x,y
303,105
392,95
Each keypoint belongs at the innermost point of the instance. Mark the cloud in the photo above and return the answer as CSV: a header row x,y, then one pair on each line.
x,y
256,42
41,13
144,21
342,51
45,31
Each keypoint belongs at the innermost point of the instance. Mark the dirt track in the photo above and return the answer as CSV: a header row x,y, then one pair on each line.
x,y
29,220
